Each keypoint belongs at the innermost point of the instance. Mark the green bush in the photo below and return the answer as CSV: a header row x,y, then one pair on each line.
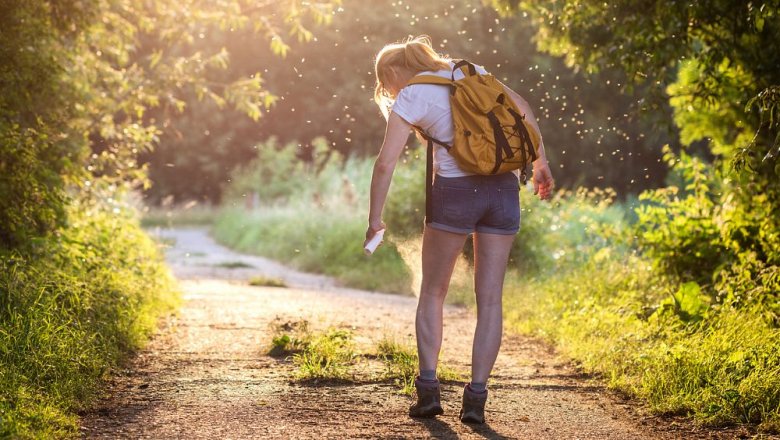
x,y
278,175
39,150
70,312
679,226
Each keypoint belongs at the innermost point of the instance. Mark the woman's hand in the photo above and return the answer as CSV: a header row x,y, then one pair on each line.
x,y
542,179
373,228
395,138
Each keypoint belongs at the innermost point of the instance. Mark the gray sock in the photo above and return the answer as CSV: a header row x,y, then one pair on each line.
x,y
478,387
428,375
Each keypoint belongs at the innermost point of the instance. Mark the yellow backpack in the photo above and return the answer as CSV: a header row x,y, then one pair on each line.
x,y
491,136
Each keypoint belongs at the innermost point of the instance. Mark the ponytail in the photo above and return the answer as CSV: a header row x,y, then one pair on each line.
x,y
419,56
414,54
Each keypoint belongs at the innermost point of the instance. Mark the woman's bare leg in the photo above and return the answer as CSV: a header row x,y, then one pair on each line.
x,y
439,253
491,255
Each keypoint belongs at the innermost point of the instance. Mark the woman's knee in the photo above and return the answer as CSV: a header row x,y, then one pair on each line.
x,y
433,291
487,300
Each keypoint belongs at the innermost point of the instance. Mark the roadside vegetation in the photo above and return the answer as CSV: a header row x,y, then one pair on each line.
x,y
70,312
86,89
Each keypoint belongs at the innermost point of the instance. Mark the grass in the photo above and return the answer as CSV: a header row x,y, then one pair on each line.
x,y
324,355
289,338
70,313
402,364
327,355
263,281
721,370
331,355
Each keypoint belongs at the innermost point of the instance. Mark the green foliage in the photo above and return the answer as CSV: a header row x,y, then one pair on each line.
x,y
69,314
325,355
333,355
701,233
680,227
268,176
563,233
325,90
687,303
717,61
81,77
39,152
289,338
33,197
405,207
401,363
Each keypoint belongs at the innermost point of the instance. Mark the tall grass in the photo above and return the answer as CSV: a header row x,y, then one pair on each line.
x,y
70,313
317,225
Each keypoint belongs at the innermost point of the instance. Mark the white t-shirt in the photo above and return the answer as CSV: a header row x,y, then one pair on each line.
x,y
428,107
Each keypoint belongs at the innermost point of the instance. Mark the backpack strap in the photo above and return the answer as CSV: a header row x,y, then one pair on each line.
x,y
429,169
429,79
431,140
466,67
429,182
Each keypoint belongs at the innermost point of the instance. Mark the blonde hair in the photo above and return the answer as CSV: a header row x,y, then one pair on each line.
x,y
415,54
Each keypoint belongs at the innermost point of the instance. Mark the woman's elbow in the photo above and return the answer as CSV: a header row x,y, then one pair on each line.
x,y
383,167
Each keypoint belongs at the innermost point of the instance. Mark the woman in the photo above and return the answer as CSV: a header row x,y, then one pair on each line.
x,y
463,203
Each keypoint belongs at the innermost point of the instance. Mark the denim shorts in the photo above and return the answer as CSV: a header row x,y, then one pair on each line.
x,y
488,204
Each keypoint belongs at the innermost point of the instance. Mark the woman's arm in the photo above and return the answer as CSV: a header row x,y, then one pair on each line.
x,y
396,134
542,176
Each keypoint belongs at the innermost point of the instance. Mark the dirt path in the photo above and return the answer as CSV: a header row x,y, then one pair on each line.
x,y
207,375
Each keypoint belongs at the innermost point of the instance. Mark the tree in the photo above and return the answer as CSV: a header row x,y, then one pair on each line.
x,y
78,80
326,88
717,63
39,151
